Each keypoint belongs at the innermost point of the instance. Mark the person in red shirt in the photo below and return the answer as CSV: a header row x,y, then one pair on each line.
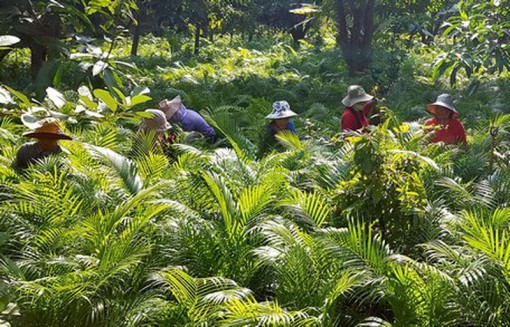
x,y
447,128
357,108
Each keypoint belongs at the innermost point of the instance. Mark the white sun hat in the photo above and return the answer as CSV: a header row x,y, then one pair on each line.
x,y
281,109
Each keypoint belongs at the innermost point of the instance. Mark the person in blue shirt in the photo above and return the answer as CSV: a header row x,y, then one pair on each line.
x,y
190,120
280,121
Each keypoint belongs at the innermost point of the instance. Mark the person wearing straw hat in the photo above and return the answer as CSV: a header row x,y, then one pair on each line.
x,y
190,120
47,134
157,123
446,126
357,108
280,122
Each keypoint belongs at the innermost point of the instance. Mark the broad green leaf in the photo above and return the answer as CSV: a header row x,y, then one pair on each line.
x,y
30,121
111,79
56,97
19,95
106,97
86,97
120,95
138,99
58,75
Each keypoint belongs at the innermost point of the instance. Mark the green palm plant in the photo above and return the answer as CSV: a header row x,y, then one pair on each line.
x,y
220,301
73,258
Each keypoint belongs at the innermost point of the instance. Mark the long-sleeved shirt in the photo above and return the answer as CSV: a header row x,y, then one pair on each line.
x,y
451,133
192,121
29,153
353,120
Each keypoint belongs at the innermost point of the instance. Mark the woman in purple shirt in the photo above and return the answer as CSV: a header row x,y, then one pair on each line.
x,y
189,119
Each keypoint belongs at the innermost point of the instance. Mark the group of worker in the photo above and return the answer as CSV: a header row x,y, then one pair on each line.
x,y
444,125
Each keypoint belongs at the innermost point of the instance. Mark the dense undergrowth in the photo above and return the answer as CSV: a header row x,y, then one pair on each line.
x,y
386,229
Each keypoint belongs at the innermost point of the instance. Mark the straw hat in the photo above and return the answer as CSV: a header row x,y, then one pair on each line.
x,y
48,128
281,109
170,107
355,94
444,100
156,122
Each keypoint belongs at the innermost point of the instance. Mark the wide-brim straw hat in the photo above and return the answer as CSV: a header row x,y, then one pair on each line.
x,y
170,107
355,94
281,110
49,128
156,122
444,100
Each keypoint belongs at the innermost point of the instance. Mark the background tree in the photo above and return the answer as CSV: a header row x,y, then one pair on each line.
x,y
43,25
355,20
358,21
480,34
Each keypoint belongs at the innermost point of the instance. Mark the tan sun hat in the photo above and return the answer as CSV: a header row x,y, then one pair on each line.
x,y
355,94
157,122
170,107
444,100
49,128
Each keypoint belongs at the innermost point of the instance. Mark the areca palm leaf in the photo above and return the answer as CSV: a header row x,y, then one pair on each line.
x,y
224,200
306,276
203,298
145,143
253,201
238,172
331,173
51,200
358,248
311,208
227,125
421,297
469,194
152,167
125,168
250,313
98,229
490,237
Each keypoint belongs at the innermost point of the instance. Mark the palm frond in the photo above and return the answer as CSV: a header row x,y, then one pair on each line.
x,y
125,168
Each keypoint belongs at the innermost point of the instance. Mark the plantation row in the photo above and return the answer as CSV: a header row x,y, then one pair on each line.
x,y
386,229
127,226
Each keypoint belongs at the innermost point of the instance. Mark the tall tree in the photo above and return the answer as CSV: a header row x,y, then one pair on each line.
x,y
356,29
358,22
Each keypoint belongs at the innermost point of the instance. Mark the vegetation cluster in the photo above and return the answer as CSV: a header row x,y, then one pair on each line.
x,y
383,228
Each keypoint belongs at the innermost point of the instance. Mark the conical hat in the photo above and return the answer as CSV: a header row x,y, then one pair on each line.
x,y
49,128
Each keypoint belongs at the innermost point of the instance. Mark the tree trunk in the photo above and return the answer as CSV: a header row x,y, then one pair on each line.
x,y
138,15
136,40
355,41
38,57
197,40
